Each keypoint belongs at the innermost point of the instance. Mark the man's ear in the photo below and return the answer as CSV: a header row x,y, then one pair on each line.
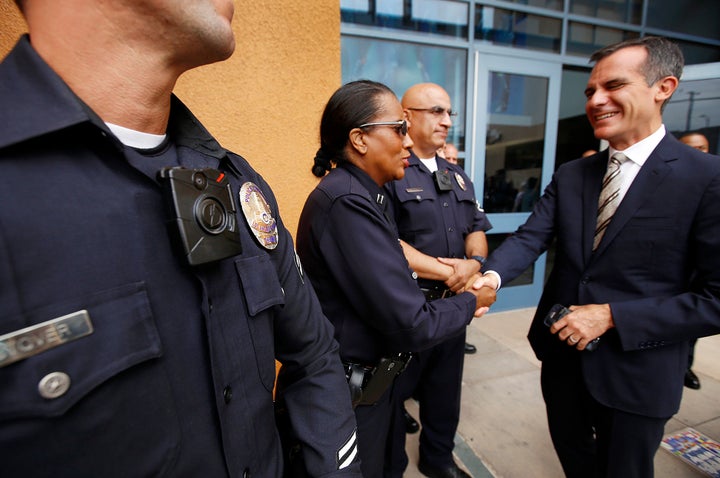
x,y
357,140
666,87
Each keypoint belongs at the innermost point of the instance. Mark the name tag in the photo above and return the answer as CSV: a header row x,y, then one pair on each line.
x,y
33,340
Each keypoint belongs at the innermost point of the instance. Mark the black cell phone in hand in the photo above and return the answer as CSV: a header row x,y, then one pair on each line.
x,y
557,312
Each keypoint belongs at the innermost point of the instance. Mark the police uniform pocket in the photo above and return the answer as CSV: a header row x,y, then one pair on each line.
x,y
262,292
92,389
419,208
415,194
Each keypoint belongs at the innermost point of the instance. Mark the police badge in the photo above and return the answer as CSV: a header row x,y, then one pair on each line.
x,y
460,181
258,215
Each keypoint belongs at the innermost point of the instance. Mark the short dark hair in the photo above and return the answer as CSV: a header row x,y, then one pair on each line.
x,y
353,104
664,58
692,133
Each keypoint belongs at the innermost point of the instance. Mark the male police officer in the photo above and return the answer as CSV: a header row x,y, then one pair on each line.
x,y
119,354
436,213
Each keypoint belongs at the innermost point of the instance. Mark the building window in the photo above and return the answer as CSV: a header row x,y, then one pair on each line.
x,y
692,17
584,39
518,29
549,4
514,143
696,53
442,17
526,278
624,11
400,65
694,107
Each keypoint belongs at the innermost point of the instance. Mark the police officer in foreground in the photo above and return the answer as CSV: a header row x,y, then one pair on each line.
x,y
122,354
436,213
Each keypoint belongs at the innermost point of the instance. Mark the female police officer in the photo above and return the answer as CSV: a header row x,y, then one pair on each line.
x,y
349,247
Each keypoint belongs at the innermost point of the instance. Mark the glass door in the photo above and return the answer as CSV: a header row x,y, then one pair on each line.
x,y
513,152
695,106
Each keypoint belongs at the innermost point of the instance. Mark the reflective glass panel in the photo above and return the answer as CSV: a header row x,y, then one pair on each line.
x,y
400,65
695,106
696,53
626,11
575,134
526,278
693,17
516,108
584,39
517,29
443,17
549,4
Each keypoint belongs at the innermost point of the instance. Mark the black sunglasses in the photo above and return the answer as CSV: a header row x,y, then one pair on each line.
x,y
437,111
400,125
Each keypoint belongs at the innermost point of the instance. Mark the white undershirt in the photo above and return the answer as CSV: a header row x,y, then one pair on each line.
x,y
136,139
430,163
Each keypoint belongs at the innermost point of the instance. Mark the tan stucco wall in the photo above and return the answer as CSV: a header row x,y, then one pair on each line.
x,y
264,102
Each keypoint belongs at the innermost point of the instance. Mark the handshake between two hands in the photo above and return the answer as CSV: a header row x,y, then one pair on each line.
x,y
484,290
465,277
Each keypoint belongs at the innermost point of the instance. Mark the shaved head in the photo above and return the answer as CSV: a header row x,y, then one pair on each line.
x,y
428,109
421,93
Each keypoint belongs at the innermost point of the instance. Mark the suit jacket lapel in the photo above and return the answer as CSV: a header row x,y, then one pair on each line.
x,y
641,190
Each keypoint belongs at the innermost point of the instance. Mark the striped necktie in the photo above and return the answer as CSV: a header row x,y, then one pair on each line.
x,y
609,196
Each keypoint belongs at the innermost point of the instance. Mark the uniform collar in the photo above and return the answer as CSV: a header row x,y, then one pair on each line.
x,y
376,192
414,161
40,102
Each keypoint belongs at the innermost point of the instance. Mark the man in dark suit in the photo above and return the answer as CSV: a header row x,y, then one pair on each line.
x,y
646,280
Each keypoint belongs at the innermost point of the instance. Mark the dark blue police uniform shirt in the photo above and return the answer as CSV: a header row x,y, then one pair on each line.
x,y
436,222
350,251
177,377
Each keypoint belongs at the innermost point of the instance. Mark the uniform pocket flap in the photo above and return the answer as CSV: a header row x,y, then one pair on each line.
x,y
51,381
260,283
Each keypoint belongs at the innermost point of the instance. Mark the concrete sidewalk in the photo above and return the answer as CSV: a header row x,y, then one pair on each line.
x,y
503,431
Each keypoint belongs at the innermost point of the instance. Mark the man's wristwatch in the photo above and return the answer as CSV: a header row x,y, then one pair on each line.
x,y
480,259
